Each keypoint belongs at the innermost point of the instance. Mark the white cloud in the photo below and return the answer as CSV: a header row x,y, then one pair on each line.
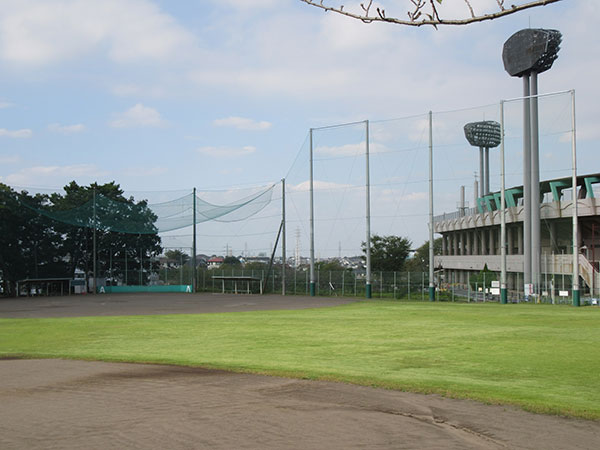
x,y
4,105
137,116
245,4
242,123
66,129
24,133
226,152
6,159
52,175
317,185
418,197
349,149
46,31
343,34
138,90
143,171
233,171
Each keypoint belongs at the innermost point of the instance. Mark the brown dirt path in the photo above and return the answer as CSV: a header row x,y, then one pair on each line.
x,y
54,404
155,303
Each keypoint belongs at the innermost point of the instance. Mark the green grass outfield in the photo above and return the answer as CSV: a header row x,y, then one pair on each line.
x,y
542,358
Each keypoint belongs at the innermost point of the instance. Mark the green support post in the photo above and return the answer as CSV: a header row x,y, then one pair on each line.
x,y
312,288
503,296
431,294
368,290
576,301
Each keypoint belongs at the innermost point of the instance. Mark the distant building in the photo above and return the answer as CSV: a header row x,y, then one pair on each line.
x,y
215,262
471,237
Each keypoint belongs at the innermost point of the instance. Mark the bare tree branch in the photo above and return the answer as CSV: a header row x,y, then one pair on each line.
x,y
471,8
420,16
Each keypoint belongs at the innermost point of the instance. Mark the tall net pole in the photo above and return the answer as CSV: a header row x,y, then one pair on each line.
x,y
368,211
283,249
527,199
503,292
431,262
94,244
194,281
575,219
535,189
312,222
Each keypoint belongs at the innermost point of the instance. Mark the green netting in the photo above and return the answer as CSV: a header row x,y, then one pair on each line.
x,y
179,213
140,218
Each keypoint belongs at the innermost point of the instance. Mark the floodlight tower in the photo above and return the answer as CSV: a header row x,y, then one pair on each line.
x,y
526,54
485,135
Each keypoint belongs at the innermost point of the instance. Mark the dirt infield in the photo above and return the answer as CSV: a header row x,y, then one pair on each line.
x,y
94,405
78,404
155,303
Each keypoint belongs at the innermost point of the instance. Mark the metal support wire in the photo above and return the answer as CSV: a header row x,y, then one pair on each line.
x,y
269,270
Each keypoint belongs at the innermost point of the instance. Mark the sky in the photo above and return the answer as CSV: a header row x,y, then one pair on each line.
x,y
216,94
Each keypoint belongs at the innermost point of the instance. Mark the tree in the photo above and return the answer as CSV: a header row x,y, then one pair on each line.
x,y
483,279
255,265
51,236
125,240
388,253
332,265
420,260
232,261
426,12
30,245
177,258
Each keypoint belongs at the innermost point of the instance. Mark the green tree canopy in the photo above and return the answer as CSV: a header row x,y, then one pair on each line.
x,y
30,245
388,253
419,262
333,265
232,261
177,258
114,249
36,243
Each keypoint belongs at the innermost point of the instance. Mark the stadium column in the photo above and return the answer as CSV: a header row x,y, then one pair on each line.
x,y
431,262
368,211
503,292
312,222
194,273
575,218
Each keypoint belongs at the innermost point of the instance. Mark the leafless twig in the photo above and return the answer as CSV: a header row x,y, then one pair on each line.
x,y
419,15
471,8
